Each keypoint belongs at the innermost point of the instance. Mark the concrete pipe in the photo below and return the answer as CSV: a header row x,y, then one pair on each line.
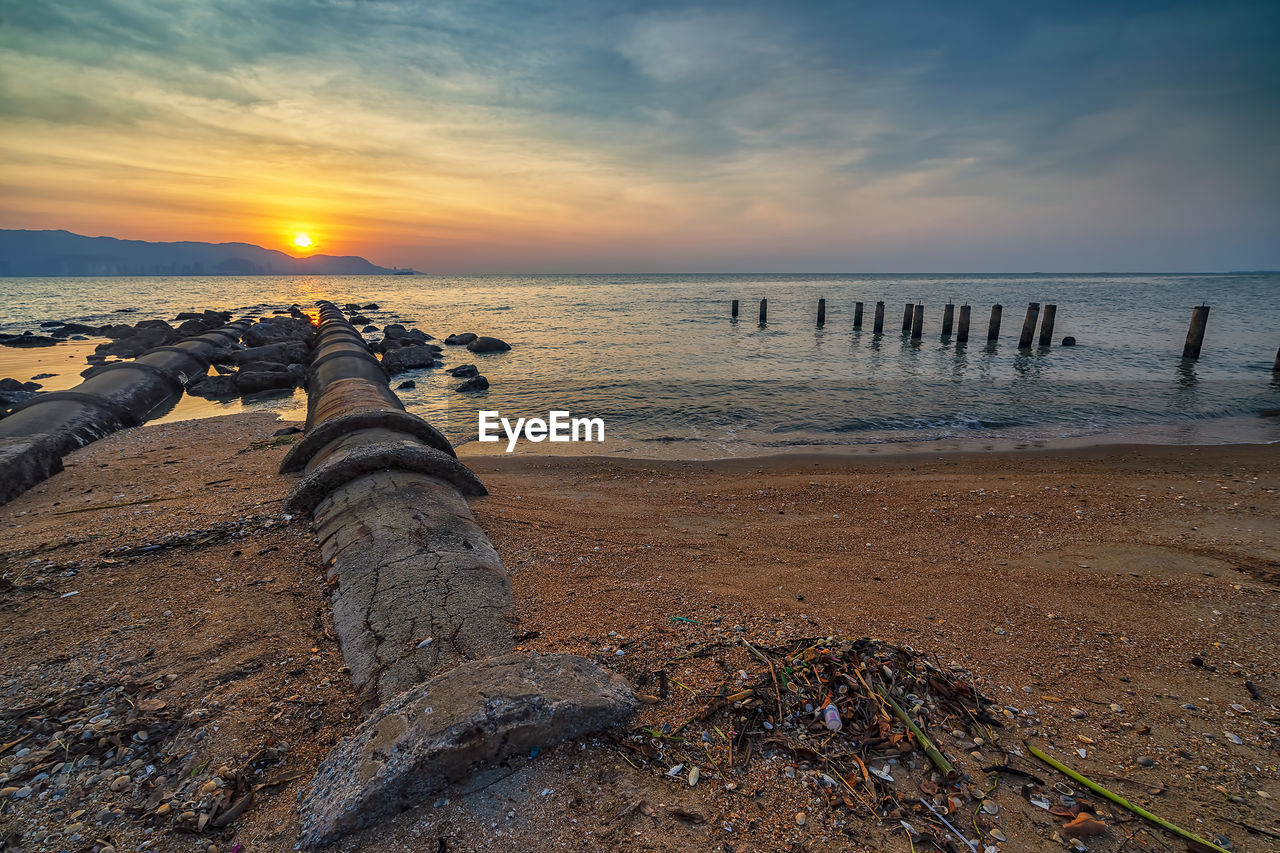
x,y
41,431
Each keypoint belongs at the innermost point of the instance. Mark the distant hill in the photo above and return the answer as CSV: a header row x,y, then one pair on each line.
x,y
56,253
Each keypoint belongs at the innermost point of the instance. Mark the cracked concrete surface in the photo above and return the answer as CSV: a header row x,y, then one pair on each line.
x,y
419,587
455,726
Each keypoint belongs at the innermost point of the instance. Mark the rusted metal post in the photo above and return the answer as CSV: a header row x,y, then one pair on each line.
x,y
993,328
1046,325
948,315
917,323
1029,325
1195,334
962,332
878,327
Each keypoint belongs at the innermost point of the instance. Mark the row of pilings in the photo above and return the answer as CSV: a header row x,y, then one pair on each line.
x,y
39,432
421,606
913,324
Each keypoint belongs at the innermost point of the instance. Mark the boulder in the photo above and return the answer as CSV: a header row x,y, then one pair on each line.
x,y
358,320
368,329
276,330
464,371
475,383
187,315
12,391
119,330
214,387
1068,341
372,306
405,358
75,329
192,327
406,385
288,352
451,729
27,340
483,344
461,340
289,430
254,381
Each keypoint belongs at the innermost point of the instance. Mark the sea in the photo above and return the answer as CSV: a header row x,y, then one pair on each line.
x,y
661,361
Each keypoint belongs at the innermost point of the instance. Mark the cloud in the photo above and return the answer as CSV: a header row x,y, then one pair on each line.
x,y
823,131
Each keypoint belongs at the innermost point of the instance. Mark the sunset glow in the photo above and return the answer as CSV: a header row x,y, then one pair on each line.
x,y
302,241
460,137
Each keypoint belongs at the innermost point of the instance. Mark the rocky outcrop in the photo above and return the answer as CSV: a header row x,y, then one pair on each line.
x,y
461,340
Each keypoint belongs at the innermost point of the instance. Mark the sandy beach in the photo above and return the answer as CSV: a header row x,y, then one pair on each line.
x,y
1121,600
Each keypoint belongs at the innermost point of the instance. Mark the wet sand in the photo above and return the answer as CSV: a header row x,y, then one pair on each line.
x,y
1140,577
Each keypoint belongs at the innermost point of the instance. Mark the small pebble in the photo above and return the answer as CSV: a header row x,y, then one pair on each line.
x,y
799,818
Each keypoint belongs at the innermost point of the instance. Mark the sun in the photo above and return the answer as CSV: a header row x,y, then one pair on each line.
x,y
302,241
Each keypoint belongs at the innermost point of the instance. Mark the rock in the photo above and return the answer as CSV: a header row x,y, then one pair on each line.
x,y
406,385
461,340
288,352
453,727
27,340
75,329
264,380
224,369
288,431
488,345
9,791
394,332
1068,341
276,330
800,818
1146,761
121,783
369,329
475,383
372,306
406,358
44,376
120,330
358,320
214,387
464,371
188,315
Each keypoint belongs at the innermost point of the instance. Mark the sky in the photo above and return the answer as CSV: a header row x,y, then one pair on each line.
x,y
601,136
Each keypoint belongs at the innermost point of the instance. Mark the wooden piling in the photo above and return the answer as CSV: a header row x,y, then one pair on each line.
x,y
764,311
733,312
822,312
906,317
962,331
1275,368
857,315
1195,334
1046,325
1029,325
917,323
993,328
878,328
948,314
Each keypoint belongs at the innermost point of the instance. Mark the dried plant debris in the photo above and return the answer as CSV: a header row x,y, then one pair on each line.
x,y
827,707
93,758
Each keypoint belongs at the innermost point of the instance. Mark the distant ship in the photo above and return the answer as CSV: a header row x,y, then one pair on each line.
x,y
406,271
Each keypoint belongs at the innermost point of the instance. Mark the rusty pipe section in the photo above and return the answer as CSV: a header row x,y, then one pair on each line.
x,y
41,431
419,588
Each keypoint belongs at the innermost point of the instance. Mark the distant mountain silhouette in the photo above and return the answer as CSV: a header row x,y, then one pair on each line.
x,y
56,253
